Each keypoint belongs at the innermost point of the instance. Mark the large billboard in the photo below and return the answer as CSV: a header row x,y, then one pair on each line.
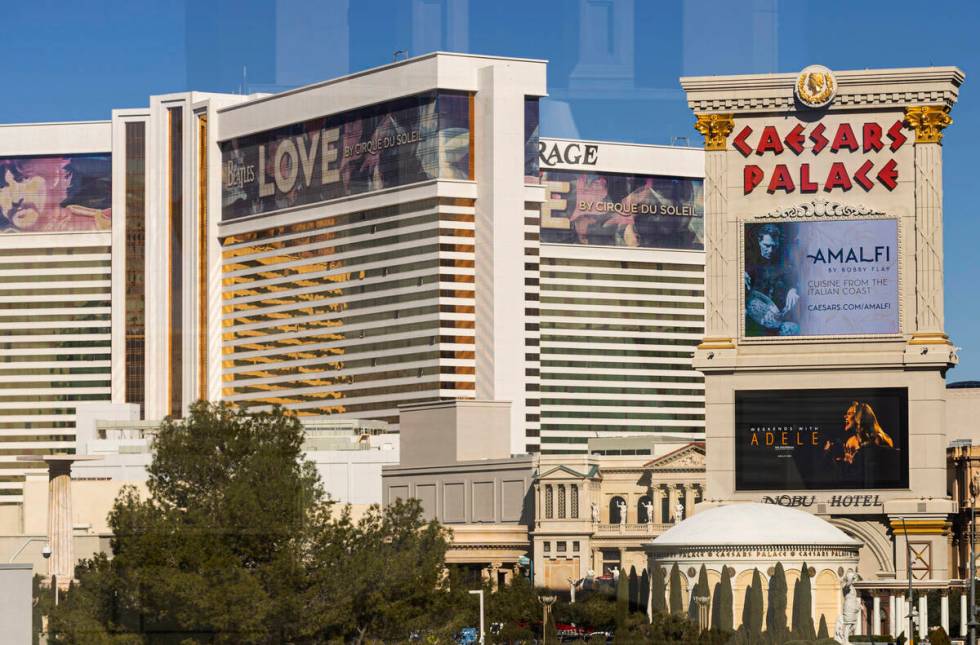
x,y
56,193
821,278
854,438
611,209
401,142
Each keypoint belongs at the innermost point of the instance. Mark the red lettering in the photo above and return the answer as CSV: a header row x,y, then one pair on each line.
x,y
819,141
895,134
781,180
739,141
807,186
794,140
837,178
872,137
751,175
861,176
844,139
888,175
769,141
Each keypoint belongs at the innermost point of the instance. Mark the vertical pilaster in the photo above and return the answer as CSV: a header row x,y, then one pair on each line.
x,y
944,611
928,122
720,247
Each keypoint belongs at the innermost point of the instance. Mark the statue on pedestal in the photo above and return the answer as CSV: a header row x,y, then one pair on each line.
x,y
850,614
648,505
679,512
622,511
595,513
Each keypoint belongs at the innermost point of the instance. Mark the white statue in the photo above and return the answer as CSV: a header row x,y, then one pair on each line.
x,y
615,573
595,513
622,511
678,512
648,505
851,612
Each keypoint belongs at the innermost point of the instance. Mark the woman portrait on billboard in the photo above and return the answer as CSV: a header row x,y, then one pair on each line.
x,y
865,444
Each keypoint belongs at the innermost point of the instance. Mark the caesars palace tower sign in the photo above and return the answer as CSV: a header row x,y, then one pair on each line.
x,y
825,352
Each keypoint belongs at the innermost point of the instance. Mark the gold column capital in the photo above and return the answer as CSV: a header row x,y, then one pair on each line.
x,y
715,128
928,122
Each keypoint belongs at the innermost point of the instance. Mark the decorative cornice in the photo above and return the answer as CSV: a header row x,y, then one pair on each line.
x,y
715,128
928,122
877,88
820,208
920,527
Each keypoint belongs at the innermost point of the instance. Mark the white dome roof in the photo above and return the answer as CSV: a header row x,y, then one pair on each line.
x,y
754,524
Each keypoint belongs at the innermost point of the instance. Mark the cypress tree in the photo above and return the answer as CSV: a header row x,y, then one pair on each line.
x,y
822,632
634,590
676,601
659,591
716,607
725,602
747,611
755,617
644,590
776,612
622,600
802,608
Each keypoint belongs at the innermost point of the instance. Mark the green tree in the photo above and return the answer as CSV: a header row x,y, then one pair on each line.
x,y
776,611
747,611
644,590
622,599
237,542
802,603
822,632
755,616
676,603
634,590
723,601
659,591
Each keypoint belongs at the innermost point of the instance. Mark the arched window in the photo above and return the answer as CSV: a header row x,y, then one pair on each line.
x,y
549,502
641,510
615,516
561,501
574,496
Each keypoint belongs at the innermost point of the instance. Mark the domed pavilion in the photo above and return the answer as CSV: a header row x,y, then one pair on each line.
x,y
749,536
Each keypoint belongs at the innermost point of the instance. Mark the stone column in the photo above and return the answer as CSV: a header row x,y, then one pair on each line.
x,y
655,500
876,615
721,247
944,611
963,613
892,612
688,500
923,615
928,122
60,522
672,503
901,623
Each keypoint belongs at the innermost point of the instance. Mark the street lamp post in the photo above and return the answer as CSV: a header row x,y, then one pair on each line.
x,y
479,593
972,625
547,602
908,566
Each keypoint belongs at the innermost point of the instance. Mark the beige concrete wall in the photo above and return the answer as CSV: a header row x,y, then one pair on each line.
x,y
963,414
446,432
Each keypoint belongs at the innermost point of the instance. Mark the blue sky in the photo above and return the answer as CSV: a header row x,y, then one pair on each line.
x,y
613,72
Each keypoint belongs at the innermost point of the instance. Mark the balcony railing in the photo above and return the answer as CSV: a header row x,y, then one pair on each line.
x,y
647,528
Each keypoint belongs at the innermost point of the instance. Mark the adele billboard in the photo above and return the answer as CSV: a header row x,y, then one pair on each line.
x,y
840,439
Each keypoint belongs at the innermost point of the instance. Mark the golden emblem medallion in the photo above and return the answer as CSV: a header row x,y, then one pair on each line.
x,y
816,86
